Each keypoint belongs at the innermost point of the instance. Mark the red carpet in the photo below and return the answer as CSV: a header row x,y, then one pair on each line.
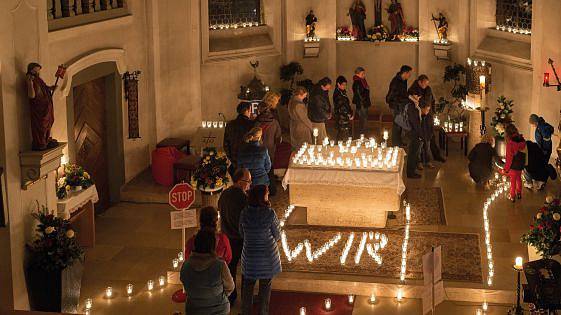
x,y
289,303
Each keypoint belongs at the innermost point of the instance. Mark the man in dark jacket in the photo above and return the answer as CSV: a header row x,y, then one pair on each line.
x,y
342,110
234,133
415,134
538,170
319,106
231,203
361,98
427,126
397,98
544,131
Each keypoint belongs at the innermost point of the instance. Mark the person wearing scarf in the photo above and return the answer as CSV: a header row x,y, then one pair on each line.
x,y
361,98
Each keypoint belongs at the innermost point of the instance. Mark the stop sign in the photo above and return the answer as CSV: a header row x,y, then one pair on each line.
x,y
181,196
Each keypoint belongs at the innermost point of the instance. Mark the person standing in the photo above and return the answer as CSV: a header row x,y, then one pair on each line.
x,y
426,127
272,133
415,135
255,157
397,98
300,125
260,229
516,155
342,110
361,98
208,221
481,160
234,133
206,279
543,134
231,203
319,106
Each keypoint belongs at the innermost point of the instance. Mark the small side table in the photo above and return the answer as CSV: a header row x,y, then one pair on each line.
x,y
78,208
184,167
463,135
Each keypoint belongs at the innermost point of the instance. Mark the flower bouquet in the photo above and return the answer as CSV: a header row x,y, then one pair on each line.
x,y
545,232
212,172
75,177
502,116
378,33
344,33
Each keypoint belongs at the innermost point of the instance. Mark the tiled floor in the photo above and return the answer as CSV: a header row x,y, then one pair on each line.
x,y
135,244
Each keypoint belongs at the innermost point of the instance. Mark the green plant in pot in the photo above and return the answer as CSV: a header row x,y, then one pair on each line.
x,y
545,231
54,264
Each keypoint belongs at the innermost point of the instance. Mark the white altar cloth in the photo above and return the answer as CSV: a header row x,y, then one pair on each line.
x,y
76,200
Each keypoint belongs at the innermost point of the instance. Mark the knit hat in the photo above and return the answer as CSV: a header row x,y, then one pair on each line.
x,y
534,119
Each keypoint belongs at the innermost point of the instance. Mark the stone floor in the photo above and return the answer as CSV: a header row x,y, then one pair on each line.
x,y
134,244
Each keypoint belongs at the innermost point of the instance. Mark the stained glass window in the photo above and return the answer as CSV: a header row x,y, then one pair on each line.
x,y
234,12
514,16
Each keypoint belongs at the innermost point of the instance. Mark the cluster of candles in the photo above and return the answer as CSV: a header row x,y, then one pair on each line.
x,y
359,154
475,62
311,39
403,269
441,41
213,124
345,38
311,256
514,30
328,304
453,127
233,25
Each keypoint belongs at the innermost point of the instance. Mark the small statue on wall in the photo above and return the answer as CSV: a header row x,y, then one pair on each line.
x,y
357,12
41,107
311,21
441,27
397,19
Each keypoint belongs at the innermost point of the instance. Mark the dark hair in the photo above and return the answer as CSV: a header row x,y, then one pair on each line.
x,y
205,242
239,174
405,68
242,107
423,103
423,77
324,81
359,70
511,131
256,196
341,79
31,66
208,218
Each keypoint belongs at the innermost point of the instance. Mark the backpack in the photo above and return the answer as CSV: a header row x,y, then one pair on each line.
x,y
518,161
402,119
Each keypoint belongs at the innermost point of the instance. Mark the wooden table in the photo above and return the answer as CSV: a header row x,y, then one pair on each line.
x,y
463,135
78,208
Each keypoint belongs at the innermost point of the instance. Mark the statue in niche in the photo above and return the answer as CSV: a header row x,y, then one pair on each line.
x,y
441,27
377,12
311,21
41,108
397,19
357,12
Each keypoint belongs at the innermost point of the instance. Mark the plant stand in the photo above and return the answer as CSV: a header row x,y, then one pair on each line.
x,y
209,197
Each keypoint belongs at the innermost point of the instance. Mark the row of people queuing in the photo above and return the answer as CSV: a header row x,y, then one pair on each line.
x,y
524,158
249,232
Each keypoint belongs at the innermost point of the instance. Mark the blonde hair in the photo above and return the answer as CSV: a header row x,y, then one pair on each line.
x,y
299,90
254,134
270,100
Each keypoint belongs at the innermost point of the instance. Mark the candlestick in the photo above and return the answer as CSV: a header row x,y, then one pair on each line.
x,y
204,124
316,134
483,91
129,289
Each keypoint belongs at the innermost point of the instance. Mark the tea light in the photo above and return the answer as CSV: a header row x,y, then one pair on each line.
x,y
327,303
204,124
399,296
220,124
108,292
478,311
180,256
175,263
150,285
485,306
129,289
88,304
372,298
316,132
351,299
214,124
386,135
162,281
208,124
518,263
302,310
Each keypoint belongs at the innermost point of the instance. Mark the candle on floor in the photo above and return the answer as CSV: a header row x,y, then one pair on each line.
x,y
129,289
88,304
175,263
180,256
485,306
372,298
399,295
327,304
351,299
162,281
518,263
478,311
150,285
302,310
108,292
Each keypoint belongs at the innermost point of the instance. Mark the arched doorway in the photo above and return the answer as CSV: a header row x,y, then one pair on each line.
x,y
95,128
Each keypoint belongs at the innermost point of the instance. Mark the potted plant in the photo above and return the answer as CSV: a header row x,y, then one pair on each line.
x,y
502,118
54,264
544,236
450,108
75,179
211,176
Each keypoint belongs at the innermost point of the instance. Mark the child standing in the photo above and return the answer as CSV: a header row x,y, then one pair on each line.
x,y
515,160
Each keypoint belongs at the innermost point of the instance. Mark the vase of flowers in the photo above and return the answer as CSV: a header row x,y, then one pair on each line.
x,y
501,119
75,178
545,232
211,176
54,266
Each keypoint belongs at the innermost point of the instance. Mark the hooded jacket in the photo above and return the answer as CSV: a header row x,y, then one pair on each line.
x,y
513,146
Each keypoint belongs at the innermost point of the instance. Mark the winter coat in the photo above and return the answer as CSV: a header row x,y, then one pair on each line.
x,y
397,96
234,134
231,203
319,106
300,125
208,283
223,249
255,158
272,133
414,116
260,229
342,109
481,162
361,94
427,126
513,146
543,134
538,167
425,94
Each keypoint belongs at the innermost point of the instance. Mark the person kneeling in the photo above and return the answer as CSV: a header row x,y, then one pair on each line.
x,y
481,160
538,170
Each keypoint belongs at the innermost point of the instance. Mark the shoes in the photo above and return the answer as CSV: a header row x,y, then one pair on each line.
x,y
430,165
519,195
414,176
513,199
420,167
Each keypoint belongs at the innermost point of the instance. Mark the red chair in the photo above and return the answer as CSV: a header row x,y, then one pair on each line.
x,y
162,164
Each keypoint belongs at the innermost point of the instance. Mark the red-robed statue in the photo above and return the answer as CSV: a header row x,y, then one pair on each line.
x,y
41,108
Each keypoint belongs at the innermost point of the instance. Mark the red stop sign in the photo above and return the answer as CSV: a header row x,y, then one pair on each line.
x,y
181,196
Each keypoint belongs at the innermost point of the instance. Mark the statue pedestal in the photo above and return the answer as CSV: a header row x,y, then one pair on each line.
x,y
311,49
442,50
38,164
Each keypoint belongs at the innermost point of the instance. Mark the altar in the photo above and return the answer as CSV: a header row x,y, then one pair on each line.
x,y
353,184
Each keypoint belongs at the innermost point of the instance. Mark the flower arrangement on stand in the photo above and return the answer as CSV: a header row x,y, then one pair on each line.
x,y
378,33
211,175
545,231
503,116
75,178
344,33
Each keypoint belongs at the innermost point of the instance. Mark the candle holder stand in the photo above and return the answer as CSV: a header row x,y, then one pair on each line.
x,y
517,310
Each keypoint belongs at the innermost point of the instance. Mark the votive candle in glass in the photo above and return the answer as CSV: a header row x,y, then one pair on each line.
x,y
129,289
327,303
162,281
150,285
108,292
88,304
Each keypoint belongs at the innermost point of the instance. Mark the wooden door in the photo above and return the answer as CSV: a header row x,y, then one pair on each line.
x,y
90,135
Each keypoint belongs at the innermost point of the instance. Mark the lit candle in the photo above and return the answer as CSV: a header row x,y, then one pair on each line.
x,y
316,132
546,79
220,124
485,306
482,88
162,281
204,124
209,124
150,285
129,289
175,263
351,299
214,124
518,263
88,304
386,135
108,292
327,304
478,311
180,256
399,295
372,298
302,310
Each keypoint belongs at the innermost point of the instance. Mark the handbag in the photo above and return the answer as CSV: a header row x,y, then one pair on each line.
x,y
402,119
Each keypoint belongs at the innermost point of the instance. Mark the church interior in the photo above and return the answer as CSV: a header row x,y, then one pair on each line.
x,y
122,128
